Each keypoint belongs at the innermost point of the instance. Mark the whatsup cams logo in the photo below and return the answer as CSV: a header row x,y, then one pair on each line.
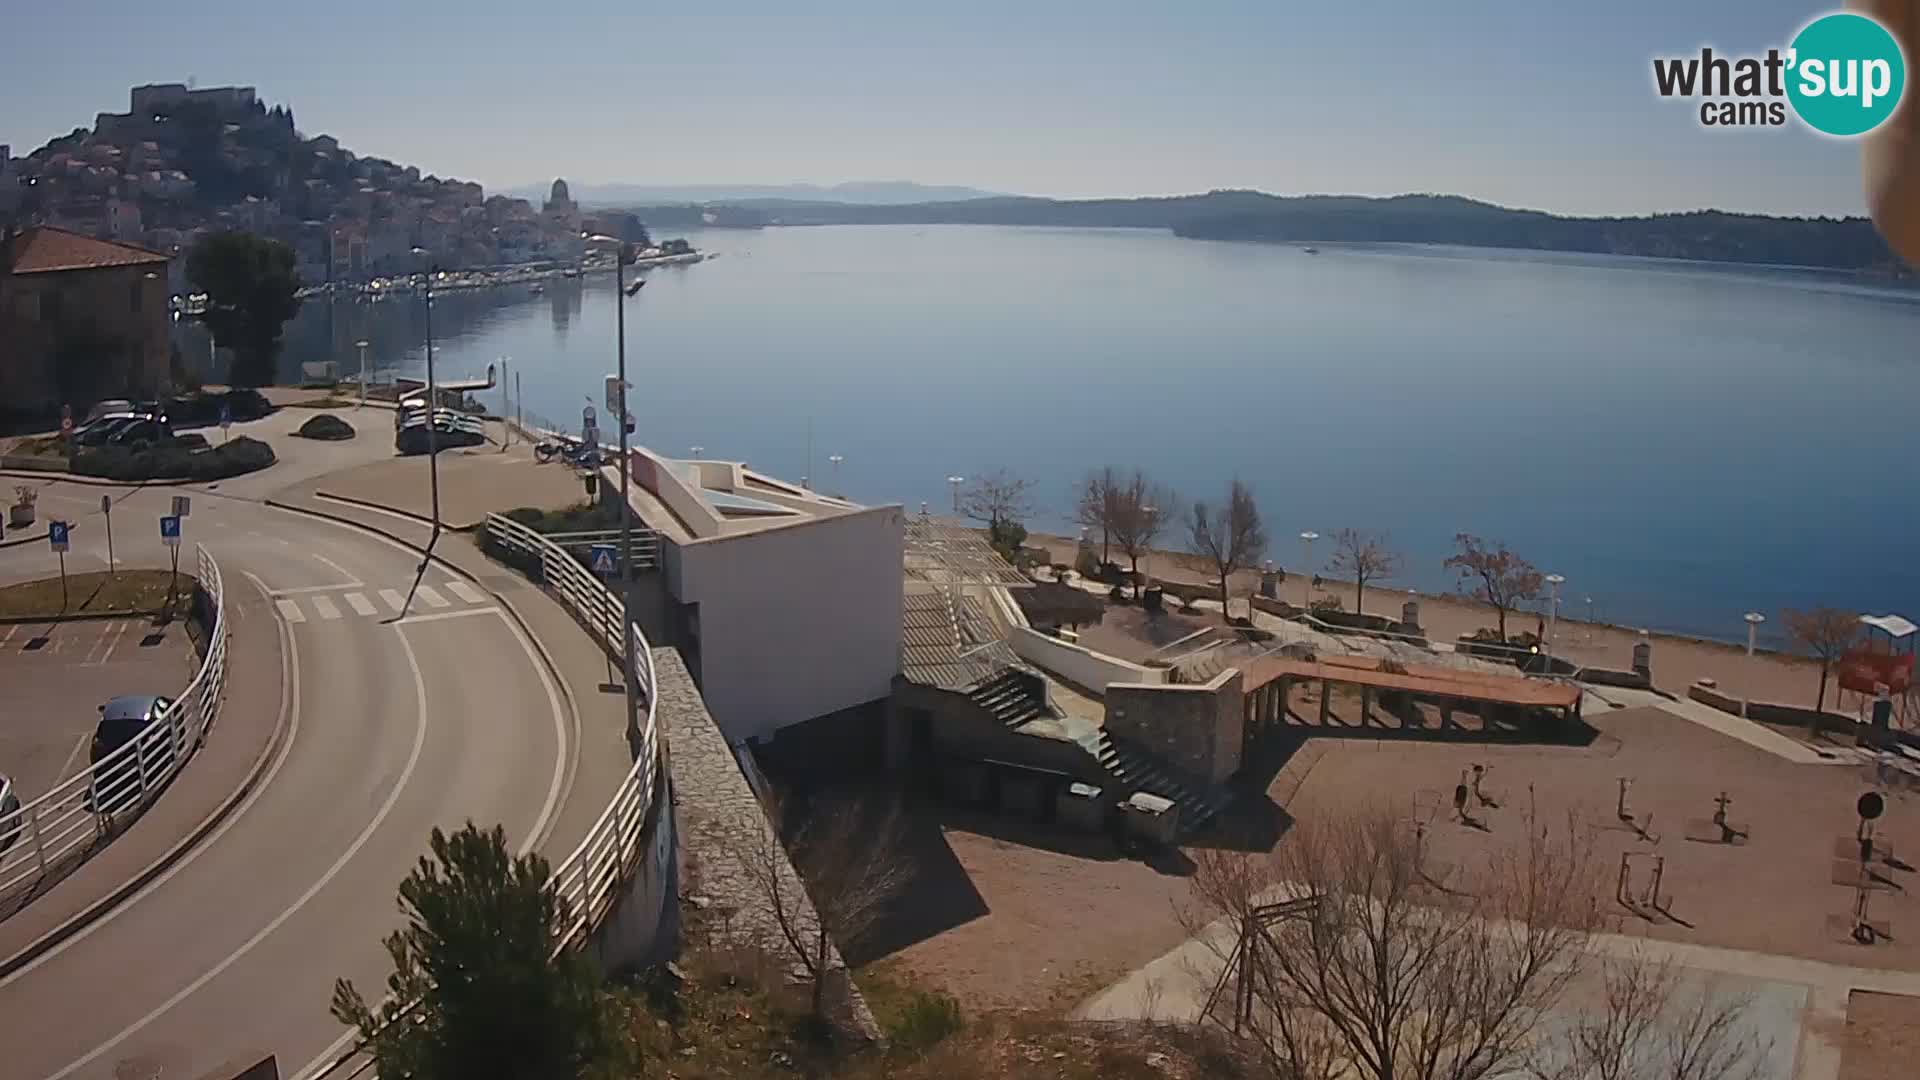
x,y
1843,75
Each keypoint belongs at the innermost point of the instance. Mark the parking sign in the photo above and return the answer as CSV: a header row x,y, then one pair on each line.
x,y
57,535
170,530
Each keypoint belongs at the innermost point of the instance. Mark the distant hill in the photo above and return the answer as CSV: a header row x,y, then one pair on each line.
x,y
1711,235
857,192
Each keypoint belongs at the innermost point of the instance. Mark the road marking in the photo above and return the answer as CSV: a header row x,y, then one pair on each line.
x,y
290,611
439,615
394,599
306,589
290,708
432,598
325,607
562,782
11,630
81,744
112,642
359,603
366,834
466,592
351,582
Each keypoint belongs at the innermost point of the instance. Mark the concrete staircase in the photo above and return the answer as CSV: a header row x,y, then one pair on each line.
x,y
1141,770
1014,697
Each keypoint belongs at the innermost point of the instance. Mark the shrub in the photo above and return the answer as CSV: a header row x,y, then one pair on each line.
x,y
1326,604
1087,563
173,461
192,440
325,427
924,1020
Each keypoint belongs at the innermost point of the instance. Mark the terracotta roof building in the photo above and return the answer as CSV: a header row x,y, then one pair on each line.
x,y
80,319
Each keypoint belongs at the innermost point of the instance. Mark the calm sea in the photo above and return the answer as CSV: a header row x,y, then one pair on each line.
x,y
1683,442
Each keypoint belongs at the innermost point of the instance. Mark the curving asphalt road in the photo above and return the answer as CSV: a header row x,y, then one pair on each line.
x,y
394,727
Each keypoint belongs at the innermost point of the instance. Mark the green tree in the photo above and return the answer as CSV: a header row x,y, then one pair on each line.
x,y
250,282
476,989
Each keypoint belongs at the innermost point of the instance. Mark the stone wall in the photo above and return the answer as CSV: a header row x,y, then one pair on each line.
x,y
722,825
1197,728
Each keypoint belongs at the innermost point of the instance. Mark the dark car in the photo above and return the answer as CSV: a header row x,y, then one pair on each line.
x,y
121,721
97,432
141,432
10,822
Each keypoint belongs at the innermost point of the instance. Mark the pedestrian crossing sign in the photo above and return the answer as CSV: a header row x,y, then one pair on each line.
x,y
602,560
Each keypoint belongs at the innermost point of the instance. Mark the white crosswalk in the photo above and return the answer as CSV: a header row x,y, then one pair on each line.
x,y
325,605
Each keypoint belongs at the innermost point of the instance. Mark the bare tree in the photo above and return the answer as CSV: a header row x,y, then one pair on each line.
x,y
1140,511
852,861
998,498
1362,968
1229,537
1093,504
1363,556
1649,1026
1491,573
1825,632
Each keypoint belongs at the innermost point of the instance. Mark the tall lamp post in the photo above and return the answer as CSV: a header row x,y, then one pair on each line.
x,y
1306,569
624,256
1554,581
955,482
362,346
1754,619
835,460
433,443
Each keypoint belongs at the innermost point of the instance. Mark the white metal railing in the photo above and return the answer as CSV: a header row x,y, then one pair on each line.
x,y
65,822
590,878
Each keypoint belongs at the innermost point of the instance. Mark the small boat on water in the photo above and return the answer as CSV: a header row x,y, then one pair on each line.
x,y
1311,250
536,288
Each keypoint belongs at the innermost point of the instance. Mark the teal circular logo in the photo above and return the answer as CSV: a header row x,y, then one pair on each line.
x,y
1846,74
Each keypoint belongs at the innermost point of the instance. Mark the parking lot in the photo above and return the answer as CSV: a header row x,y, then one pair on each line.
x,y
57,675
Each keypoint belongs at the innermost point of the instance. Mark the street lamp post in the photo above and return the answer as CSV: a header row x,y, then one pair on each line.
x,y
1754,619
955,482
696,451
506,405
362,346
1554,581
623,258
433,446
835,460
1306,569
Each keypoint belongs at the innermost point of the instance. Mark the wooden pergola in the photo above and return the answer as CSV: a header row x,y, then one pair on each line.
x,y
1270,680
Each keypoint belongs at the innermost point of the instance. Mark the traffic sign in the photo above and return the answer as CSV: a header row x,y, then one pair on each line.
x,y
226,416
182,505
170,530
614,395
106,504
57,535
603,560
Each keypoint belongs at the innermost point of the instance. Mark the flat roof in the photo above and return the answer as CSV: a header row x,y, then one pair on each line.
x,y
1435,681
693,499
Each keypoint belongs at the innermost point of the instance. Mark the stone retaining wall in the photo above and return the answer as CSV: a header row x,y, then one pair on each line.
x,y
719,821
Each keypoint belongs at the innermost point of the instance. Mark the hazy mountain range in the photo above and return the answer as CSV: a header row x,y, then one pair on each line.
x,y
1712,235
853,192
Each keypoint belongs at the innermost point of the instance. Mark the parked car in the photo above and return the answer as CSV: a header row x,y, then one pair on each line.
x,y
98,431
122,719
140,432
109,407
10,822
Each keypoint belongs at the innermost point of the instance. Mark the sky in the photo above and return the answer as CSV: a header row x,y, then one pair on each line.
x,y
1545,104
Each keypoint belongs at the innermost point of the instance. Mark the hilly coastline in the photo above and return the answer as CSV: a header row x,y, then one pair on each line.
x,y
1848,244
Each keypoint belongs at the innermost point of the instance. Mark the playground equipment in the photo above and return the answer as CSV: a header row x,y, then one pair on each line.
x,y
1718,829
1880,668
1857,865
1248,965
1645,898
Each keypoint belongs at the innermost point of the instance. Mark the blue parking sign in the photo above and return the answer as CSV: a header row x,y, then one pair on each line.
x,y
603,560
57,535
170,530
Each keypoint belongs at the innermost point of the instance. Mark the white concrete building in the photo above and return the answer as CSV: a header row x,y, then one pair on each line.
x,y
785,603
